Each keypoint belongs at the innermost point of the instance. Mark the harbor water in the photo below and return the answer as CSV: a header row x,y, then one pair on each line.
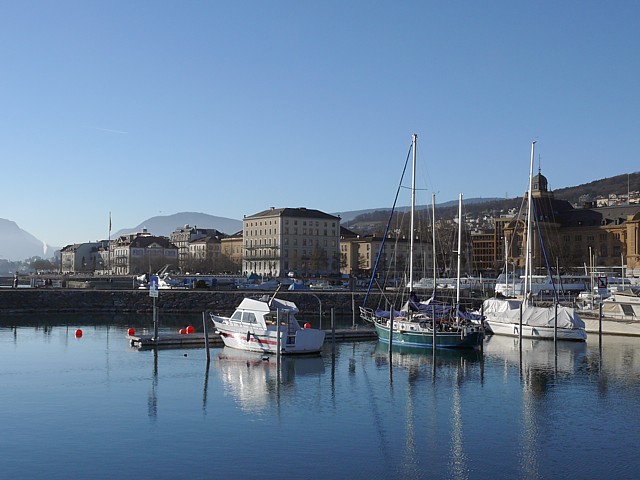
x,y
95,407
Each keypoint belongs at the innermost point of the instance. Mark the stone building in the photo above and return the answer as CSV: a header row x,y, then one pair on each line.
x,y
359,254
137,253
232,248
82,257
575,237
182,238
282,240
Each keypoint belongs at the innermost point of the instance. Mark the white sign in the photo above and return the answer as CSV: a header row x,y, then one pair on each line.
x,y
153,286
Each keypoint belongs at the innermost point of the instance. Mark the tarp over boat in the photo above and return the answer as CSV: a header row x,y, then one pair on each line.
x,y
508,311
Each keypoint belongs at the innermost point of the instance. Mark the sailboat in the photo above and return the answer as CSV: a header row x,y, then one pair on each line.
x,y
422,324
516,318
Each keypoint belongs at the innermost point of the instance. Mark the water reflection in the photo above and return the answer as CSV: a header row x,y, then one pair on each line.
x,y
538,360
457,365
253,378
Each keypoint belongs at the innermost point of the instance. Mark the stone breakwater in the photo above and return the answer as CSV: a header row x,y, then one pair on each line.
x,y
169,301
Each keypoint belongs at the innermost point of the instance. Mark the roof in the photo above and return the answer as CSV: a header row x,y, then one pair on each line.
x,y
300,212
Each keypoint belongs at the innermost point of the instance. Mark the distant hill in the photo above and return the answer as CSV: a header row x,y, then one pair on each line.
x,y
163,225
371,220
349,216
17,244
619,185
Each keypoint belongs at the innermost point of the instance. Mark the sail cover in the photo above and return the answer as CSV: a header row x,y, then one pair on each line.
x,y
508,311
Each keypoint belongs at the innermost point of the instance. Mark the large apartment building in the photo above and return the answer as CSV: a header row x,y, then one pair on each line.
x,y
282,240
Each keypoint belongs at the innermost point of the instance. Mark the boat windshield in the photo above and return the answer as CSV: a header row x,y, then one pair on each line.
x,y
244,317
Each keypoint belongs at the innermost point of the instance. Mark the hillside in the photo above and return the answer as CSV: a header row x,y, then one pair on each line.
x,y
17,244
373,220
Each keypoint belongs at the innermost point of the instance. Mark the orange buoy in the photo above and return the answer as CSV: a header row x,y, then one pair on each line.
x,y
182,331
131,332
78,333
307,325
190,329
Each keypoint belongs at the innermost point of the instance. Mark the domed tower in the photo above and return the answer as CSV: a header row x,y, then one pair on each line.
x,y
540,186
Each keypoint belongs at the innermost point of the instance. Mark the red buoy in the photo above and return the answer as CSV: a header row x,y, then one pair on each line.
x,y
190,329
131,332
182,331
307,325
78,333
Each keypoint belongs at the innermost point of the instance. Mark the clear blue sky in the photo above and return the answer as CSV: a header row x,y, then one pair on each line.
x,y
147,108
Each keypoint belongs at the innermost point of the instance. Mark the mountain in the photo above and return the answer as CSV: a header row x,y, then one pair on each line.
x,y
163,225
351,215
17,245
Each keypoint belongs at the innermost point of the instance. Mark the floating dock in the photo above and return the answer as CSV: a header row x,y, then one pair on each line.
x,y
197,340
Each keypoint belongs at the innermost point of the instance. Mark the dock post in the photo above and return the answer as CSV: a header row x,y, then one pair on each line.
x,y
600,322
278,344
520,327
482,325
555,323
155,321
353,311
206,336
390,328
434,327
333,330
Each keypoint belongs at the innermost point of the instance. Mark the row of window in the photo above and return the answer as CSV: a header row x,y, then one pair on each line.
x,y
305,231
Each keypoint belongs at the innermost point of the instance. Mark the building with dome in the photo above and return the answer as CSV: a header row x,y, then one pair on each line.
x,y
573,237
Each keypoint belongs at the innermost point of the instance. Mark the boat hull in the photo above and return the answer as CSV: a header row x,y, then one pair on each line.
x,y
305,341
468,338
537,332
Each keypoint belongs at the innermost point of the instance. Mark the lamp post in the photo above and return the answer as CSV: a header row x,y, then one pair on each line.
x,y
320,302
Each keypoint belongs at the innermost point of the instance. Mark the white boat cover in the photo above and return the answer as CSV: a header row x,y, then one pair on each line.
x,y
508,311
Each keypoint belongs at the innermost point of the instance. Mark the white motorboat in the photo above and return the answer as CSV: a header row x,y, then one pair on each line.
x,y
263,324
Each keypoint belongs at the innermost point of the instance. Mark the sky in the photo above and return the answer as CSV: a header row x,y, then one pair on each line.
x,y
144,108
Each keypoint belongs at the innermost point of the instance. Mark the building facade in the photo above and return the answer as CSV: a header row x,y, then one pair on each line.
x,y
182,238
573,238
282,240
138,253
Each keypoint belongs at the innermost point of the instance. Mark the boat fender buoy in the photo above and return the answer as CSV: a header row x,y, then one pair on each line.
x,y
78,333
307,325
131,332
248,336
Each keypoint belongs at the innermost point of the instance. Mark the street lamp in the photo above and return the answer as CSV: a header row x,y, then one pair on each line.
x,y
320,302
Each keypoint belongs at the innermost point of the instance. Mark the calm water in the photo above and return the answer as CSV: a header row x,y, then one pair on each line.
x,y
94,407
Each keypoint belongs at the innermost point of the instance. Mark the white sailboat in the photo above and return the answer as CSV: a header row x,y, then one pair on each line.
x,y
520,317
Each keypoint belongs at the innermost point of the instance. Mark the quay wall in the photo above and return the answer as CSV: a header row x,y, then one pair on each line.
x,y
31,300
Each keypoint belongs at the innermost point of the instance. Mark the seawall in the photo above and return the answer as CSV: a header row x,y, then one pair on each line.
x,y
33,300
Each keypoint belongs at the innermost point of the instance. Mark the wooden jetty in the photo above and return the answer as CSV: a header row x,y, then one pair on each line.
x,y
197,340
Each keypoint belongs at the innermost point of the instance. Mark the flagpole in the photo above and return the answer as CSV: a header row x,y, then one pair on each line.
x,y
109,247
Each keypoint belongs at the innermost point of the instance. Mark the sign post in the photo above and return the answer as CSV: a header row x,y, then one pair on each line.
x,y
602,286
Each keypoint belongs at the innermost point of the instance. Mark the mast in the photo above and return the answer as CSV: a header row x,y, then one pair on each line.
x,y
413,207
506,265
459,256
527,265
433,241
